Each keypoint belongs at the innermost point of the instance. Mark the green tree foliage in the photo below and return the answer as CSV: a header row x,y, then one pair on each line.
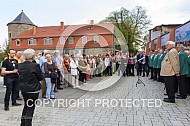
x,y
132,24
5,51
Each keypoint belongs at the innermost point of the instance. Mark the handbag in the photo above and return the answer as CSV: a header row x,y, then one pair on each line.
x,y
53,75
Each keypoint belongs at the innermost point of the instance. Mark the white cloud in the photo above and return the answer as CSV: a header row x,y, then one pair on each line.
x,y
166,11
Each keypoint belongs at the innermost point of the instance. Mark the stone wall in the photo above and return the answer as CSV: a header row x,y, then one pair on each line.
x,y
16,29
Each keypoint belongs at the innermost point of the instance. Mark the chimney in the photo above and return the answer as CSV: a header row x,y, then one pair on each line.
x,y
92,24
34,30
62,25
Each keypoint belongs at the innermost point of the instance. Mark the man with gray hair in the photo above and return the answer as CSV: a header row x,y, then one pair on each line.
x,y
41,62
30,75
170,69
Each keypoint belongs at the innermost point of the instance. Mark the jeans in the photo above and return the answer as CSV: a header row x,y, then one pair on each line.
x,y
12,87
49,88
29,107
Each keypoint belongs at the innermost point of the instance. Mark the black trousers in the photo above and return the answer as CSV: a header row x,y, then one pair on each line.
x,y
109,71
82,77
117,65
151,73
131,69
182,86
12,87
188,85
58,84
170,86
160,78
145,69
139,69
155,74
29,107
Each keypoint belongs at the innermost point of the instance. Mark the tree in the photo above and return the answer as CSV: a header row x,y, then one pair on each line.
x,y
5,49
132,24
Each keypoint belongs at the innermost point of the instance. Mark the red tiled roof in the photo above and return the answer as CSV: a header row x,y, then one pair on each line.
x,y
54,31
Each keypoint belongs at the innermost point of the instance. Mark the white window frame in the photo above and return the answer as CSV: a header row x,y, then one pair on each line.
x,y
18,40
84,40
50,41
96,39
62,40
71,40
33,41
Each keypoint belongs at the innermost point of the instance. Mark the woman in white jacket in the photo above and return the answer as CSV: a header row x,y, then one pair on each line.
x,y
74,72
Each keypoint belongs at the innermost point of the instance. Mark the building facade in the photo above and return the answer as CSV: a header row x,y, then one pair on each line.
x,y
72,39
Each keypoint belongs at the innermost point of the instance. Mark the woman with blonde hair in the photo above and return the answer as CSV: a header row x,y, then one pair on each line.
x,y
50,77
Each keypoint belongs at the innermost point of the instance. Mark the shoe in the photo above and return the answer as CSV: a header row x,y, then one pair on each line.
x,y
168,101
180,97
16,104
53,98
43,96
59,88
55,90
6,108
165,94
143,76
19,98
150,78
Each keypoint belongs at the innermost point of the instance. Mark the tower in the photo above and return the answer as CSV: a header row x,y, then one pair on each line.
x,y
20,24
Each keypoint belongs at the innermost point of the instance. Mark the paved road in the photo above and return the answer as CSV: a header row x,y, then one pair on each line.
x,y
95,113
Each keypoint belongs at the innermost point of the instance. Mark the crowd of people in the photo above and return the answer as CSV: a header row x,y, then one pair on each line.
x,y
171,67
29,73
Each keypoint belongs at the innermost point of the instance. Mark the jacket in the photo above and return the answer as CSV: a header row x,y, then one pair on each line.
x,y
170,63
161,57
29,74
183,61
151,60
155,60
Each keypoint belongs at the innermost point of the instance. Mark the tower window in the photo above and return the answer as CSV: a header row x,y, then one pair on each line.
x,y
10,35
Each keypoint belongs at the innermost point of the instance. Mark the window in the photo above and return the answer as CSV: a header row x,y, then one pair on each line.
x,y
18,42
10,35
61,40
48,41
96,39
71,40
84,40
32,41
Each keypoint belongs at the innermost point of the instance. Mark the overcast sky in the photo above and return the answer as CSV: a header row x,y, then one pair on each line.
x,y
51,12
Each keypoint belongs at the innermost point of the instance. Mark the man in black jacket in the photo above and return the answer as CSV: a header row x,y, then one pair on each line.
x,y
30,75
10,70
144,62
